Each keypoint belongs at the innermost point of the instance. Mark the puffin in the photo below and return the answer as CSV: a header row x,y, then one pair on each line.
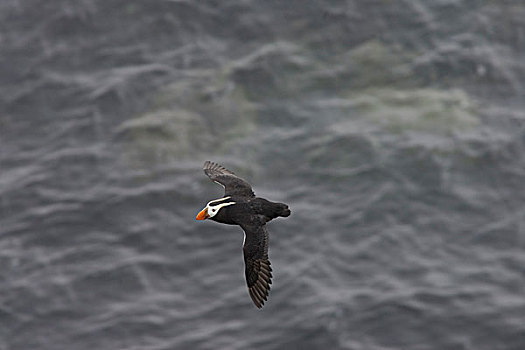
x,y
240,206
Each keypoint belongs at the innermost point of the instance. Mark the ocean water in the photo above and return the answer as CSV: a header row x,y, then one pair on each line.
x,y
395,130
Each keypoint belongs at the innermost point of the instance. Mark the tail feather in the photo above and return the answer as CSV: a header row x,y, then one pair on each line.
x,y
282,209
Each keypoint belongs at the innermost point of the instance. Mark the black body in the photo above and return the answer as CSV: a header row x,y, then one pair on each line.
x,y
250,211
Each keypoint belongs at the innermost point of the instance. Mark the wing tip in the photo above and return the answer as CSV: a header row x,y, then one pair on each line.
x,y
260,290
209,165
258,297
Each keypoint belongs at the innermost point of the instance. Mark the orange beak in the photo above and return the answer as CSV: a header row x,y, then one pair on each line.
x,y
202,215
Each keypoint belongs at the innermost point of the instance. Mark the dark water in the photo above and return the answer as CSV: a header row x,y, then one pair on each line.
x,y
394,129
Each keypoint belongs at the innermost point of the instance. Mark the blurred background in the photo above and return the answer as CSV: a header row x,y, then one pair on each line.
x,y
395,130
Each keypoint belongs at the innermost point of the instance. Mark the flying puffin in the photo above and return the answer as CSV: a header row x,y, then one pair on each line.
x,y
239,206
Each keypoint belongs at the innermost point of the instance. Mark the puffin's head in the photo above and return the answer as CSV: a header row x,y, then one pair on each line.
x,y
213,207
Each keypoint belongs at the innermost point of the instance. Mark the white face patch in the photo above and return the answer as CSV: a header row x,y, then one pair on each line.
x,y
223,199
215,205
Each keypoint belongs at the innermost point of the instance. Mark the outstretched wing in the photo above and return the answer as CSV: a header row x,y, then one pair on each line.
x,y
258,270
233,185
